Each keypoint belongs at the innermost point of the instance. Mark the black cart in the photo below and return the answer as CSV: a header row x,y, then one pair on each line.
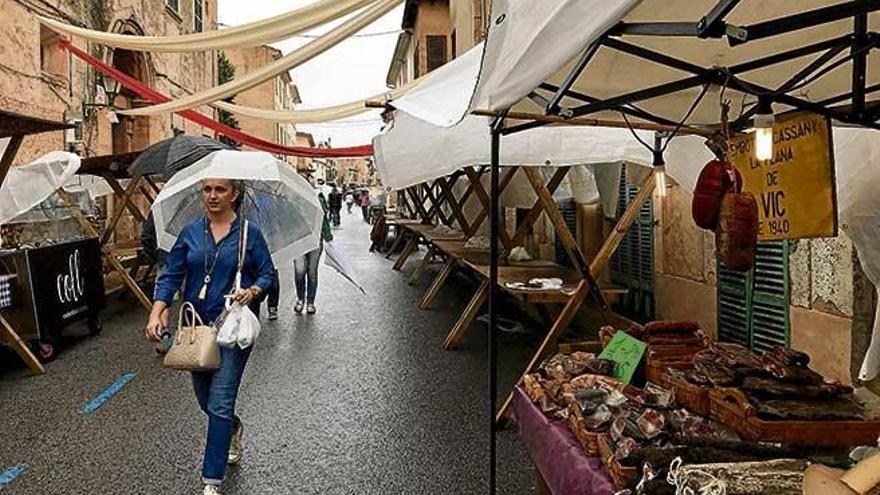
x,y
53,287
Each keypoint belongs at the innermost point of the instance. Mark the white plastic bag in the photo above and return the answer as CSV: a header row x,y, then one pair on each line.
x,y
240,327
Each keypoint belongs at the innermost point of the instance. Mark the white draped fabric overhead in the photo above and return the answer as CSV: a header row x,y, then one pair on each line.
x,y
276,68
536,41
414,151
314,115
256,33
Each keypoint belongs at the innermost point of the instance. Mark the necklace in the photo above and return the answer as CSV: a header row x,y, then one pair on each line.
x,y
209,268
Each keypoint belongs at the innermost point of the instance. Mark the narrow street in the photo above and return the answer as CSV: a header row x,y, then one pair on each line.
x,y
359,399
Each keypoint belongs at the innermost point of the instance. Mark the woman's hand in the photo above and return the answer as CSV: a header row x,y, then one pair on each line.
x,y
154,329
157,322
247,296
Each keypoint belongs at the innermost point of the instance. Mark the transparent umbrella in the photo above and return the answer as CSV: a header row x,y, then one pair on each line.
x,y
276,199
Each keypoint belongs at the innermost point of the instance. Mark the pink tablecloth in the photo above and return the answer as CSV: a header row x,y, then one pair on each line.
x,y
556,452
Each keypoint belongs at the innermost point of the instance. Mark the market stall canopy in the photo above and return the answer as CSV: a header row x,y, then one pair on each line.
x,y
29,185
414,151
654,59
115,165
13,124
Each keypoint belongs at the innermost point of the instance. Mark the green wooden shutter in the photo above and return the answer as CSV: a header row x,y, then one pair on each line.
x,y
753,307
632,266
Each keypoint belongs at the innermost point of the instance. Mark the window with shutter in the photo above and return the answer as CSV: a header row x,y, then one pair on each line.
x,y
753,307
417,63
436,48
632,266
198,15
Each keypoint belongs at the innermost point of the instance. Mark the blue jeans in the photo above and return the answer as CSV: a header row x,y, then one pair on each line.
x,y
306,275
216,392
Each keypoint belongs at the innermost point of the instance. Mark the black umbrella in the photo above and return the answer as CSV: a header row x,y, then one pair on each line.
x,y
172,155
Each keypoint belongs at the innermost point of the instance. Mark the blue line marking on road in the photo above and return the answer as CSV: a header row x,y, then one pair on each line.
x,y
108,392
8,476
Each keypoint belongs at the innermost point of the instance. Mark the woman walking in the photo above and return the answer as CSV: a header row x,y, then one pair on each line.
x,y
205,261
306,268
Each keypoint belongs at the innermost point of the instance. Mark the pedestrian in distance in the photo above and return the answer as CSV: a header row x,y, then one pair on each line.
x,y
335,201
365,203
305,268
204,261
349,201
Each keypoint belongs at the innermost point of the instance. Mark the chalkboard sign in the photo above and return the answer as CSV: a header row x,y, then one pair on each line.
x,y
626,351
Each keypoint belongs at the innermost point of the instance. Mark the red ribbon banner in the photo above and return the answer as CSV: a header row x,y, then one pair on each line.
x,y
236,135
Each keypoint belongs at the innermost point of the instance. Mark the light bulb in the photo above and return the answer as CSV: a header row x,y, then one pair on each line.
x,y
764,143
660,174
764,121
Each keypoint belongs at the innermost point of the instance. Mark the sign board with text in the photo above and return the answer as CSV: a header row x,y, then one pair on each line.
x,y
626,352
796,189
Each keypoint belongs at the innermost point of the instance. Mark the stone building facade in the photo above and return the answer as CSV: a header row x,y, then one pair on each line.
x,y
278,94
51,84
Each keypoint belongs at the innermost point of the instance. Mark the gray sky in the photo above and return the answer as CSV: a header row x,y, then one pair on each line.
x,y
354,69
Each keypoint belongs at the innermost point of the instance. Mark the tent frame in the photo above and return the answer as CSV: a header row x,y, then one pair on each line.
x,y
714,25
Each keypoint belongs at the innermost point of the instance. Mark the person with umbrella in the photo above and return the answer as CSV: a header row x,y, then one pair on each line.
x,y
204,260
305,268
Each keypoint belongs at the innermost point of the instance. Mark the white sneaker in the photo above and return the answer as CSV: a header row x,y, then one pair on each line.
x,y
235,452
211,490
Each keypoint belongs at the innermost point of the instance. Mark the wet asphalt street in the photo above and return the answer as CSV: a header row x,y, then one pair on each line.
x,y
358,399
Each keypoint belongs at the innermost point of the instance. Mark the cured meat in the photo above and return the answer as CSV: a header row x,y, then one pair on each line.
x,y
844,408
759,388
671,327
736,236
788,357
712,184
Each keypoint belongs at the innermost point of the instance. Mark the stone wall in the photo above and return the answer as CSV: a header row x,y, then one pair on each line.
x,y
832,302
59,95
271,95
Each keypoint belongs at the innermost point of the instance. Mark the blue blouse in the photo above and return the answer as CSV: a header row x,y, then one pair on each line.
x,y
186,265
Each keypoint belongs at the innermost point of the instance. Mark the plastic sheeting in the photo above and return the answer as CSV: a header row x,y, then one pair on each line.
x,y
256,33
276,68
315,115
29,185
414,151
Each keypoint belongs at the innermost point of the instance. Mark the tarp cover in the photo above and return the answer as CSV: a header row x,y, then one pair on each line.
x,y
531,42
29,185
414,151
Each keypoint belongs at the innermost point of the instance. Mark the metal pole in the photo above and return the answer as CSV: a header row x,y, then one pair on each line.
x,y
494,226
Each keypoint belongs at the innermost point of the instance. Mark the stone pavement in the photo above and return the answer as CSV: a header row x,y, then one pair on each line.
x,y
358,399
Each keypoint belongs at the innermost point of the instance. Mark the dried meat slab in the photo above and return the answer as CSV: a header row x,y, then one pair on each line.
x,y
844,408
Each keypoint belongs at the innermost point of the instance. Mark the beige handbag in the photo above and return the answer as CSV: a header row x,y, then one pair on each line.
x,y
195,346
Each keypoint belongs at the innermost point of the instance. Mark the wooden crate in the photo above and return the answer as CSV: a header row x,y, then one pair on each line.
x,y
588,440
624,477
732,408
694,398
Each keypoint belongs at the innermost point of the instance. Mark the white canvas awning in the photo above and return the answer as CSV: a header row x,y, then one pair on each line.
x,y
414,151
535,42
